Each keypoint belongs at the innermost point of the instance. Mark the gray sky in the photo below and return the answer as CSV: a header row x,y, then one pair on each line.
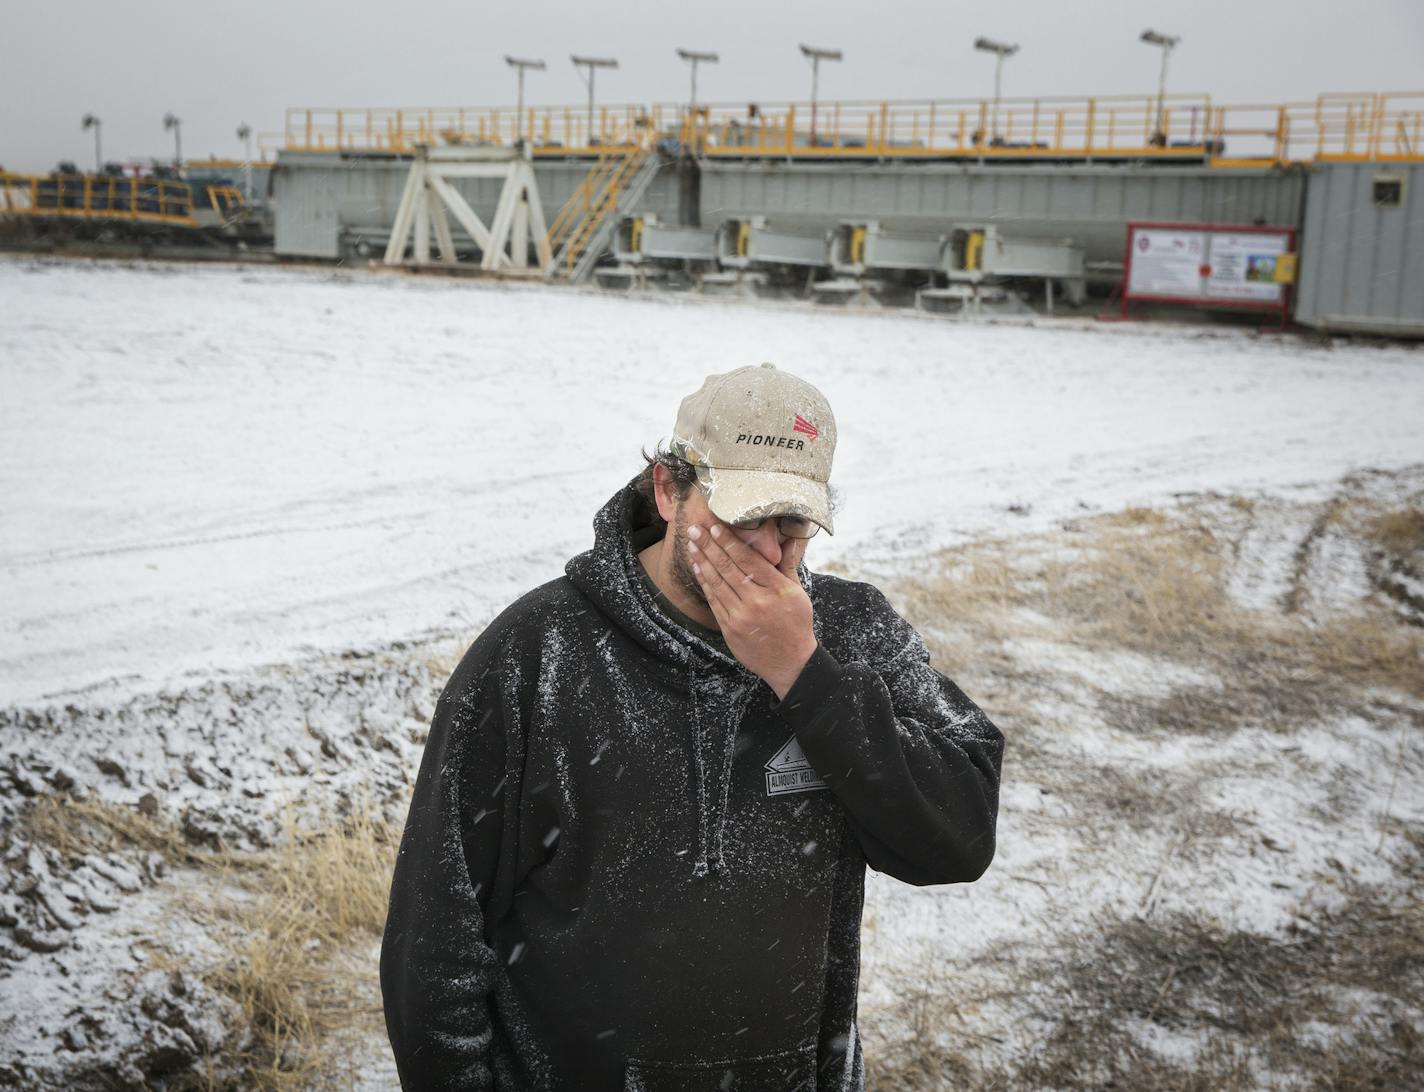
x,y
218,65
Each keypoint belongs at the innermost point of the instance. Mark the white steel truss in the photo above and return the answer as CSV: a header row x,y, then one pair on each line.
x,y
429,200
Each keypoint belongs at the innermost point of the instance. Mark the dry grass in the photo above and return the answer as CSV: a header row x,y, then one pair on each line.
x,y
320,892
1156,584
1401,532
1245,1010
1149,582
1245,1004
77,827
289,918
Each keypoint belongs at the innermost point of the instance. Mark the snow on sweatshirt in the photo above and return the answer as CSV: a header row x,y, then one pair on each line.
x,y
627,866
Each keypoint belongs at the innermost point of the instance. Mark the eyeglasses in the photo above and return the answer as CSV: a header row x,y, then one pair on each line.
x,y
786,526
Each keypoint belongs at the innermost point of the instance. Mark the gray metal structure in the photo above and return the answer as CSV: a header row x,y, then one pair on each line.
x,y
881,250
748,242
343,206
1361,261
1362,249
1089,203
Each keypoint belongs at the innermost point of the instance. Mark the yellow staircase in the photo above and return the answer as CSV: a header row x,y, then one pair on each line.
x,y
583,227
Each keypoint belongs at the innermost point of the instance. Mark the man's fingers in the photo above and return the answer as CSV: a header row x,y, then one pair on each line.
x,y
713,593
722,542
714,579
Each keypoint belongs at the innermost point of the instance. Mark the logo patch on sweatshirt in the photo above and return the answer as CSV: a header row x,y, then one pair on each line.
x,y
789,771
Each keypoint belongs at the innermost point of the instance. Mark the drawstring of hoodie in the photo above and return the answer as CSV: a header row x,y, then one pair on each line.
x,y
713,781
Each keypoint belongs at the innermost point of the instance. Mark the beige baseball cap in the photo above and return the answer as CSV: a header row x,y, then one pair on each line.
x,y
762,442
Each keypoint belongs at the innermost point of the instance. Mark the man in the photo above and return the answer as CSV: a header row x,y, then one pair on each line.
x,y
636,853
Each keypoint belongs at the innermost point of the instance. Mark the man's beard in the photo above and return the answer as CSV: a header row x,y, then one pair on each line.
x,y
681,563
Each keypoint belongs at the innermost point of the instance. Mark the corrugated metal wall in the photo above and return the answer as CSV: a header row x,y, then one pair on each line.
x,y
1362,266
1092,204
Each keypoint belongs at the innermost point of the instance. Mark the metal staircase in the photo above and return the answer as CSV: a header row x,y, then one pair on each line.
x,y
584,227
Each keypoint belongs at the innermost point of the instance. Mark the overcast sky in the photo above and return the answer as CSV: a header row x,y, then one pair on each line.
x,y
216,65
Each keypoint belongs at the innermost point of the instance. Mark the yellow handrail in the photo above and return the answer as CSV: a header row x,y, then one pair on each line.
x,y
605,203
154,200
1333,126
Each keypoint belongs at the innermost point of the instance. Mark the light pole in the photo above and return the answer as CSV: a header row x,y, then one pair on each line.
x,y
1167,42
693,57
1000,50
592,64
520,65
244,134
172,121
817,56
92,122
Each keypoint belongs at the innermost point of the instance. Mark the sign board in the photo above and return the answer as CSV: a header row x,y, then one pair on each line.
x,y
1209,265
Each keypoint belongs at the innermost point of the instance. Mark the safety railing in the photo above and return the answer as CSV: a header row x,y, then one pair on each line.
x,y
1123,125
227,201
593,201
97,196
1333,126
562,130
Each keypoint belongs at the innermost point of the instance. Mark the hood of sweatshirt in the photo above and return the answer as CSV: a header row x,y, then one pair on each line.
x,y
720,689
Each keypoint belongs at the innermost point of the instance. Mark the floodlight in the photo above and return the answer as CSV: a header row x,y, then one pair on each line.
x,y
593,64
695,57
91,121
244,134
1153,38
174,122
1000,51
988,45
520,64
1167,42
816,56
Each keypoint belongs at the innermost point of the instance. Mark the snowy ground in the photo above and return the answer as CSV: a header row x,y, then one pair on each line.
x,y
208,467
216,483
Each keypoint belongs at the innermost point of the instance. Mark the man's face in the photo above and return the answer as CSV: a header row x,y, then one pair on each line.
x,y
692,509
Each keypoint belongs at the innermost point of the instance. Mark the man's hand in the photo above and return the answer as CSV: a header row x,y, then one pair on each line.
x,y
764,613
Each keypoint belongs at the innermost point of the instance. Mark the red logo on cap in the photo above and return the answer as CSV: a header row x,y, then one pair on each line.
x,y
803,425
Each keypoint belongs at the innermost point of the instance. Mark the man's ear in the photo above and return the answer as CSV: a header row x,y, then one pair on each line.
x,y
663,493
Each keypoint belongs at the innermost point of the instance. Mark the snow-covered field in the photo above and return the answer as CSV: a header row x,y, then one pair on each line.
x,y
210,467
216,483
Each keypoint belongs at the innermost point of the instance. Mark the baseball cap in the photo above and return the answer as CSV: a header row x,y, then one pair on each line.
x,y
762,442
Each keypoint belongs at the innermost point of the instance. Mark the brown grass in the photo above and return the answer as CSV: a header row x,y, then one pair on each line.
x,y
1155,583
1401,532
77,827
1247,1001
289,918
319,892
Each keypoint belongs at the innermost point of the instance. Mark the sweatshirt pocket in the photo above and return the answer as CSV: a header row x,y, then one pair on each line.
x,y
784,1071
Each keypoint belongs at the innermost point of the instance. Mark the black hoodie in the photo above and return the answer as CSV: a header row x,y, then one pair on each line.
x,y
627,866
